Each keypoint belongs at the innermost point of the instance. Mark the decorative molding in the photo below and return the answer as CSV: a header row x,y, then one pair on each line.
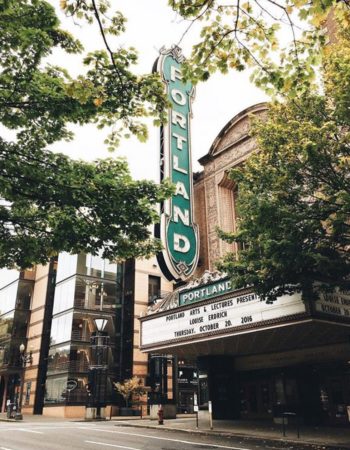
x,y
174,51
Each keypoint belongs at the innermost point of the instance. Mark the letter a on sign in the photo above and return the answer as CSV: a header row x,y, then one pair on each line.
x,y
177,230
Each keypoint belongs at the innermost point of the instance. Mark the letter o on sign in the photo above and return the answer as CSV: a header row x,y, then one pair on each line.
x,y
178,97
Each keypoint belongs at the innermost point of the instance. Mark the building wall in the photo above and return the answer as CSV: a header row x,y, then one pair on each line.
x,y
214,191
35,336
143,270
16,295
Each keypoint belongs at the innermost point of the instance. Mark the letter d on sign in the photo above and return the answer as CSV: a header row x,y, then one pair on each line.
x,y
181,243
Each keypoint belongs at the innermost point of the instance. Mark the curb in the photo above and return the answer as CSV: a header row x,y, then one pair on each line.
x,y
227,434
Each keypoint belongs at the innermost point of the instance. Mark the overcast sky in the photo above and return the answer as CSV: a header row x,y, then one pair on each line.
x,y
151,25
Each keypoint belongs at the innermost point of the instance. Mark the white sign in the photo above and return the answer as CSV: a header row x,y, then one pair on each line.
x,y
237,311
334,303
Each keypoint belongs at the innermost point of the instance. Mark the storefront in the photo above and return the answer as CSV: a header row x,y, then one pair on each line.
x,y
258,360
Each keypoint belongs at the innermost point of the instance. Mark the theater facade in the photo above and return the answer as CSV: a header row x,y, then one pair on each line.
x,y
255,360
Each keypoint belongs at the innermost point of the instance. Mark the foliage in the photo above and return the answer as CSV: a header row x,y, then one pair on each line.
x,y
241,34
294,192
51,203
130,387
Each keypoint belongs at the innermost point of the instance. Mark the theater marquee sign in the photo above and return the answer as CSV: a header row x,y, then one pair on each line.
x,y
177,230
218,317
334,304
205,292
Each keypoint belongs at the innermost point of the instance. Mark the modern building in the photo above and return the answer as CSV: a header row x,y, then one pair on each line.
x,y
15,303
51,310
254,360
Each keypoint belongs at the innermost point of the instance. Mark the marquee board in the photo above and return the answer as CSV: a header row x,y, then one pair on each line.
x,y
217,317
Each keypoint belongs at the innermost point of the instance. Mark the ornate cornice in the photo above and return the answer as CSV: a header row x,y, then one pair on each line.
x,y
174,51
171,300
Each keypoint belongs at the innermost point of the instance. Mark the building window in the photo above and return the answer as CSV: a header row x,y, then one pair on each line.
x,y
153,288
227,210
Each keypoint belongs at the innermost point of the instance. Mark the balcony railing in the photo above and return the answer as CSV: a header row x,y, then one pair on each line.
x,y
81,336
68,366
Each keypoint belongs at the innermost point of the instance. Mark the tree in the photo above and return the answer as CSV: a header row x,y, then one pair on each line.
x,y
236,35
130,387
294,192
51,203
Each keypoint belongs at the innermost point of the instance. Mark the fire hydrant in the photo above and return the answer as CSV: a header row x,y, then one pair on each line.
x,y
160,415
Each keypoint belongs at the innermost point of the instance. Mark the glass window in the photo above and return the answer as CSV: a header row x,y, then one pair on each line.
x,y
101,268
153,288
95,266
8,297
90,293
69,358
80,359
58,360
66,266
64,295
20,324
8,276
4,353
203,391
61,328
6,326
82,327
280,398
24,295
55,389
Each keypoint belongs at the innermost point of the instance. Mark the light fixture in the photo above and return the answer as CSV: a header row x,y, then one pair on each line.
x,y
22,348
100,324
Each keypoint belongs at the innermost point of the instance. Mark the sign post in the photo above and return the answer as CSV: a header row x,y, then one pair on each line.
x,y
195,407
210,408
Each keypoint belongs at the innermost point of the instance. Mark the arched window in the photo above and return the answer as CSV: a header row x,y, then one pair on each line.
x,y
227,192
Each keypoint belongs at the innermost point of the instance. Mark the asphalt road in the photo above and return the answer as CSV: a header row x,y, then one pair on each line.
x,y
107,436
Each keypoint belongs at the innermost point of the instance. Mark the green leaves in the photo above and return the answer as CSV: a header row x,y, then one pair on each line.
x,y
56,204
238,35
129,388
51,203
294,193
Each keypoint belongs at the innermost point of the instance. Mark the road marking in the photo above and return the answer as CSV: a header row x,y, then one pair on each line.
x,y
168,439
4,448
112,445
29,431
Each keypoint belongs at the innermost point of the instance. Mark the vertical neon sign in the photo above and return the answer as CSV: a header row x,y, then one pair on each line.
x,y
177,230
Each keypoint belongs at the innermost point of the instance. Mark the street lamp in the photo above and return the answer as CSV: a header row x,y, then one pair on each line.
x,y
100,324
25,358
98,370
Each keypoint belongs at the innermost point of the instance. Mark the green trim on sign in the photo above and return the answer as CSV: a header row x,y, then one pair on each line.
x,y
205,292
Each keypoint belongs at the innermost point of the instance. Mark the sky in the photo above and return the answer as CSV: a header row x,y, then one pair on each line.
x,y
152,25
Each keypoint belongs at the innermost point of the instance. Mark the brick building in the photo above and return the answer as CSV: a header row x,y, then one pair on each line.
x,y
255,361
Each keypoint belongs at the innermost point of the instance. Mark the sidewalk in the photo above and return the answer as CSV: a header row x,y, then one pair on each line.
x,y
33,418
321,437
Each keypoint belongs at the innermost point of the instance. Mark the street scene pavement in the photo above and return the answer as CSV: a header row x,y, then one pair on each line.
x,y
38,433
